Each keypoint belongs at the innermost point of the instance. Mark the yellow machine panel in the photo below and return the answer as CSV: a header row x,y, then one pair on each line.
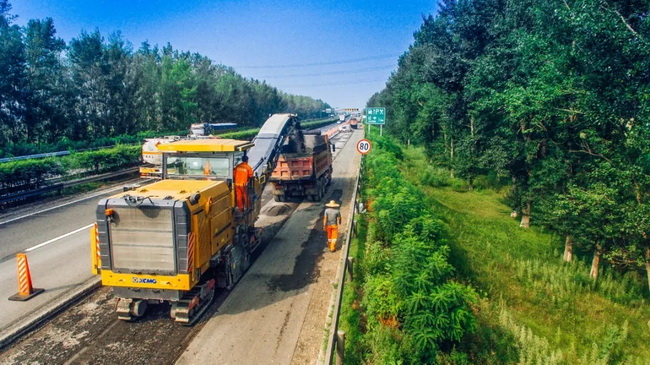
x,y
179,189
176,282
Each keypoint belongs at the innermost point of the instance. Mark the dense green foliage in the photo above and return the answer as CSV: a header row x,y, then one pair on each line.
x,y
535,308
96,88
553,96
32,173
414,309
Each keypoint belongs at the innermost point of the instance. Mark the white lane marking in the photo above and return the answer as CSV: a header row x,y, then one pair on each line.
x,y
58,238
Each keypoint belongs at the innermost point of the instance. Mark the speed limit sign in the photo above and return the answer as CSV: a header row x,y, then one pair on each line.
x,y
364,146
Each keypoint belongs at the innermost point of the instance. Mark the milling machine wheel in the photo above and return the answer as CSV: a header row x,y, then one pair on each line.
x,y
188,310
130,309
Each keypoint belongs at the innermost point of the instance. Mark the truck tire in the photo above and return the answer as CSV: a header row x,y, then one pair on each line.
x,y
321,192
277,198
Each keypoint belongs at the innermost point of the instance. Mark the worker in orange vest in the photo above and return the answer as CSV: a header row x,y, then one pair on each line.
x,y
242,173
331,221
207,168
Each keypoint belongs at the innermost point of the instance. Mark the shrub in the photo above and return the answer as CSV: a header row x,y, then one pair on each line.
x,y
33,173
412,304
435,177
387,144
30,173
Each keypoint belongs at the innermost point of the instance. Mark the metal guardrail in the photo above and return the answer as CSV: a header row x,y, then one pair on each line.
x,y
343,266
38,155
30,193
60,153
67,184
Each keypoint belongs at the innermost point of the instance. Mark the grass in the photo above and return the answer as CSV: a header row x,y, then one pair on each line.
x,y
535,308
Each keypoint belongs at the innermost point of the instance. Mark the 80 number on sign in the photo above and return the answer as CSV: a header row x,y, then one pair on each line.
x,y
364,146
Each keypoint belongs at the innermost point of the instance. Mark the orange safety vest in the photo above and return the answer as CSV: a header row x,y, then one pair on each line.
x,y
242,173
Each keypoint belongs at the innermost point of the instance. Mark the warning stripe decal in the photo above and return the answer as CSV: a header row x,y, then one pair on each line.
x,y
190,252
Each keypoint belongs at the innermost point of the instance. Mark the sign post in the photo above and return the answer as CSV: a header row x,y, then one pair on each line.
x,y
376,116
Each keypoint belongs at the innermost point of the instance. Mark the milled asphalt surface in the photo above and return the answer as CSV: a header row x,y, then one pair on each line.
x,y
262,318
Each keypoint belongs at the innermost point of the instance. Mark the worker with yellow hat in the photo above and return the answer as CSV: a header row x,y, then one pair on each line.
x,y
331,221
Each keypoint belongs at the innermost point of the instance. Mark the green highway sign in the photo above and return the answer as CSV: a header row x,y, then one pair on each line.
x,y
376,116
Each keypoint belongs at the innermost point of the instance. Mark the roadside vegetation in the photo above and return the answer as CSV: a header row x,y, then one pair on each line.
x,y
528,306
535,307
531,123
405,305
32,173
551,97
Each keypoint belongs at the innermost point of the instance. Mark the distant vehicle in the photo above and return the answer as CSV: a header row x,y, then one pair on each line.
x,y
206,129
344,128
152,157
341,118
354,123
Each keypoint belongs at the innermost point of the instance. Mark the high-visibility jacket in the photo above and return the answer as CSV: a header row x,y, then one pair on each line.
x,y
242,173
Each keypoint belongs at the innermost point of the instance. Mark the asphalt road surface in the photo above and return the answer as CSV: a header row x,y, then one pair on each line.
x,y
276,313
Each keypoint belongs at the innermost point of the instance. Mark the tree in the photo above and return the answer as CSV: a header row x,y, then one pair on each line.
x,y
12,78
46,88
120,85
177,93
146,99
52,96
89,68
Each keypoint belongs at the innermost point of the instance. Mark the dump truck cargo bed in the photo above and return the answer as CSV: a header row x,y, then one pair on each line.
x,y
303,170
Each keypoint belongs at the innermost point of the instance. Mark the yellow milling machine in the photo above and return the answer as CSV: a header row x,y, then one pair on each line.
x,y
180,238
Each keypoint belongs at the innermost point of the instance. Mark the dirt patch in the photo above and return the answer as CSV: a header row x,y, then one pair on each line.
x,y
90,333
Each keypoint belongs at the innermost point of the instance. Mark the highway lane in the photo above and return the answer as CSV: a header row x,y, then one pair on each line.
x,y
60,266
57,267
47,222
89,332
56,240
277,313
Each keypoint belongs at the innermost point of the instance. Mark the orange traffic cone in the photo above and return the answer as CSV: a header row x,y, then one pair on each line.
x,y
25,289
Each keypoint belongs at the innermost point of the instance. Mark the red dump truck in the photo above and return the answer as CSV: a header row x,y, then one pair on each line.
x,y
304,169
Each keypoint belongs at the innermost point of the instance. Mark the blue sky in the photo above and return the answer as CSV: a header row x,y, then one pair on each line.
x,y
338,51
